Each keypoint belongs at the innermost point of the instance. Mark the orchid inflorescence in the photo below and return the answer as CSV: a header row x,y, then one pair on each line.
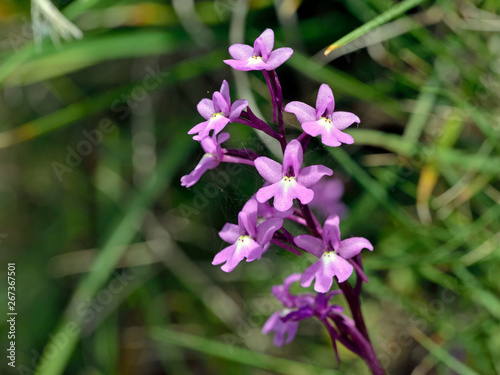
x,y
261,224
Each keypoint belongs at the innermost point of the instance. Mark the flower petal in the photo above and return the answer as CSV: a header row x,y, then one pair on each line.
x,y
251,209
338,267
209,145
269,169
271,323
207,162
329,138
215,123
324,93
284,331
206,108
221,105
246,224
309,176
229,233
331,231
255,251
328,266
236,108
266,230
313,128
259,49
223,137
199,127
240,52
247,65
303,194
293,157
309,274
343,120
303,111
244,247
312,245
268,39
224,91
351,247
282,292
266,192
231,256
286,192
278,57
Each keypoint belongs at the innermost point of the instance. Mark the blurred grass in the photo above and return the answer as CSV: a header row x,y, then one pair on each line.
x,y
421,183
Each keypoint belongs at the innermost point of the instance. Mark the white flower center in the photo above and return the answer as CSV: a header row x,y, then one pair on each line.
x,y
325,122
243,241
217,114
328,257
288,183
255,60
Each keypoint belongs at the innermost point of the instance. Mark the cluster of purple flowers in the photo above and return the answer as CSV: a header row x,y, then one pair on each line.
x,y
260,223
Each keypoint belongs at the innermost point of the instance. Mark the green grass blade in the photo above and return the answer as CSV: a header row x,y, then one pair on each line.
x,y
442,355
76,111
236,354
381,19
122,234
344,83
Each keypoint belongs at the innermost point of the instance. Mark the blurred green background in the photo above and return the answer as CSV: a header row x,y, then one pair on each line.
x,y
113,256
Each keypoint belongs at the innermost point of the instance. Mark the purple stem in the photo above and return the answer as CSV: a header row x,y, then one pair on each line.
x,y
360,273
288,235
297,220
237,160
365,347
266,129
270,86
276,93
311,222
286,247
242,153
304,139
359,280
335,336
279,101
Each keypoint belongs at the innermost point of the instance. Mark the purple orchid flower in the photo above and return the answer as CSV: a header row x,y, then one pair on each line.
x,y
332,253
218,112
248,239
323,120
327,197
284,322
289,181
261,56
284,332
211,159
